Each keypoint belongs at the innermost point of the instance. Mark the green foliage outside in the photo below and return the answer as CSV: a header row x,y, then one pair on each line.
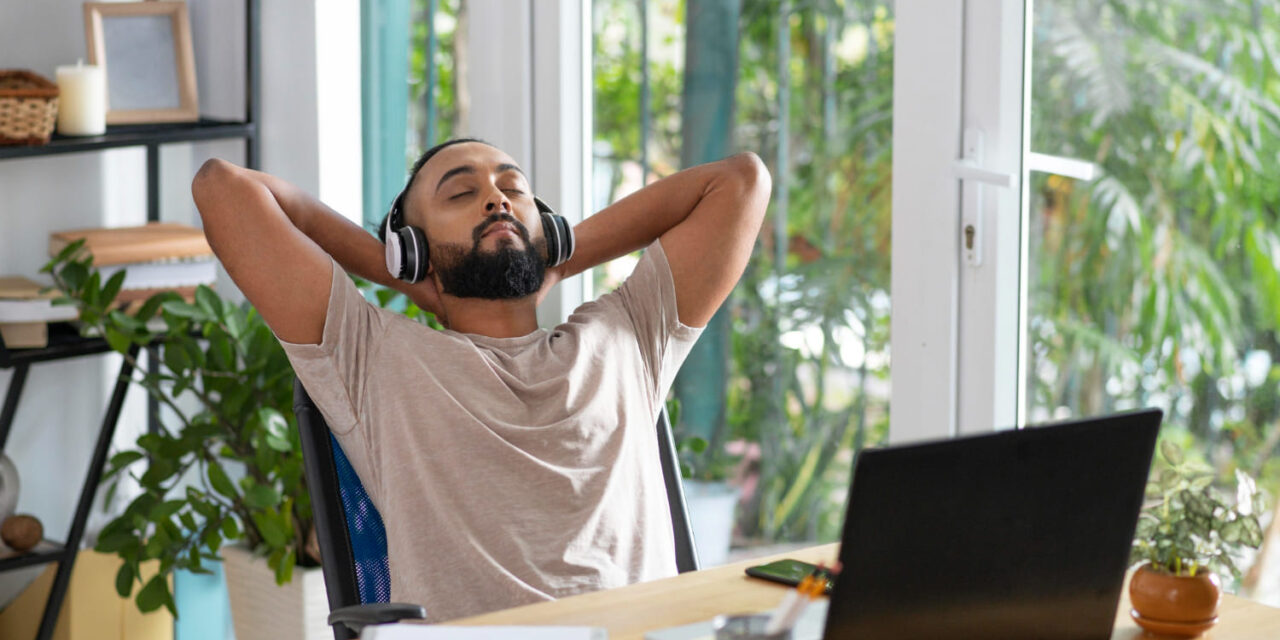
x,y
1158,283
810,334
444,111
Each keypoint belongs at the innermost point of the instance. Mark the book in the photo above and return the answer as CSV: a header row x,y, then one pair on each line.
x,y
24,335
146,243
21,301
445,632
164,274
130,296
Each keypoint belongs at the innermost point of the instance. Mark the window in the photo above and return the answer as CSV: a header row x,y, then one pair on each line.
x,y
1154,265
417,39
794,378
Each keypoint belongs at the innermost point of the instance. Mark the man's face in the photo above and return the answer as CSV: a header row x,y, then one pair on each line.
x,y
484,230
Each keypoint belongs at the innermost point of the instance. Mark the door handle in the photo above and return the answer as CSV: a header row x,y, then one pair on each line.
x,y
973,179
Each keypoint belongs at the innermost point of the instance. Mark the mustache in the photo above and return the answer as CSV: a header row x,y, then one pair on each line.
x,y
501,217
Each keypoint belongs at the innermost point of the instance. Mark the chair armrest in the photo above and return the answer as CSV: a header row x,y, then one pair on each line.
x,y
356,617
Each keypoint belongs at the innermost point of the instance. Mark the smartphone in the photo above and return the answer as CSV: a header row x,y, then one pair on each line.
x,y
788,571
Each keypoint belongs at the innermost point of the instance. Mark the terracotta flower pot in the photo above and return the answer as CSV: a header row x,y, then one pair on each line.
x,y
1174,605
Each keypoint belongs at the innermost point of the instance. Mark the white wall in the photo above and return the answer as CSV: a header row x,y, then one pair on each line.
x,y
57,419
337,98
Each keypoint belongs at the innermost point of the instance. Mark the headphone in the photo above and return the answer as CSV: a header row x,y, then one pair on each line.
x,y
406,245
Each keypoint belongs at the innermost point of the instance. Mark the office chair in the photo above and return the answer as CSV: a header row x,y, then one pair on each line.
x,y
353,541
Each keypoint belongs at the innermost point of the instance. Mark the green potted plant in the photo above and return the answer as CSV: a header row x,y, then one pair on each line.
x,y
225,464
1185,539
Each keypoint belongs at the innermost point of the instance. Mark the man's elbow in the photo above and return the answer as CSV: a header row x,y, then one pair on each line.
x,y
212,178
753,178
752,170
750,174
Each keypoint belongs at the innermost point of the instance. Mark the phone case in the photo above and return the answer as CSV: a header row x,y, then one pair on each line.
x,y
763,572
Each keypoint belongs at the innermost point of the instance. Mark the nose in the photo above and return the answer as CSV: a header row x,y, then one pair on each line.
x,y
497,202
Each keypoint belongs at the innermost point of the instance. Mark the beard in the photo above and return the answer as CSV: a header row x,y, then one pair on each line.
x,y
507,273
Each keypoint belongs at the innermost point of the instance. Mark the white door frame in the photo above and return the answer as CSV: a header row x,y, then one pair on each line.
x,y
957,320
992,314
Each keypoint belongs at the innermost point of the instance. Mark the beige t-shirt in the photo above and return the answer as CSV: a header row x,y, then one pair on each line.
x,y
508,471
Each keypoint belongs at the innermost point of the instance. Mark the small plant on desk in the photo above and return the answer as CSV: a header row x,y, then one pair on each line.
x,y
1186,537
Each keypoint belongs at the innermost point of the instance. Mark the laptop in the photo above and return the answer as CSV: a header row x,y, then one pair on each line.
x,y
1015,534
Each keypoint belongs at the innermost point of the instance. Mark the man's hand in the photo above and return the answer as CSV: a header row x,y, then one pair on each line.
x,y
553,276
426,295
707,216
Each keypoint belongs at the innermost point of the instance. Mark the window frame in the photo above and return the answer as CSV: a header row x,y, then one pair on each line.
x,y
958,325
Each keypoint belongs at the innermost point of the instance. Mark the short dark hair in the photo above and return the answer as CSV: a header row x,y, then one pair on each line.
x,y
398,202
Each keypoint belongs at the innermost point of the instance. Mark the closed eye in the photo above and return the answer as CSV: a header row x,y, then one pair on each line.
x,y
467,193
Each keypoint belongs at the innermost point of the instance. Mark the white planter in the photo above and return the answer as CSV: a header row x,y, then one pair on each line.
x,y
711,510
261,609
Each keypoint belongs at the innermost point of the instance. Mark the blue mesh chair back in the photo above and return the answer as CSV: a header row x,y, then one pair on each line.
x,y
365,530
349,529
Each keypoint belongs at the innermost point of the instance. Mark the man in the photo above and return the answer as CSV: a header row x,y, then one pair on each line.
x,y
510,464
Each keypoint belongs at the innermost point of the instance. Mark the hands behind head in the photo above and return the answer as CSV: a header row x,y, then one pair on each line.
x,y
426,295
553,275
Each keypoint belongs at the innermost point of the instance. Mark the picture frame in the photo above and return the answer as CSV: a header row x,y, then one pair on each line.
x,y
145,50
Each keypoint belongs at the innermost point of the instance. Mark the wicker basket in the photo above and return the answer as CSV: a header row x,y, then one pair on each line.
x,y
28,107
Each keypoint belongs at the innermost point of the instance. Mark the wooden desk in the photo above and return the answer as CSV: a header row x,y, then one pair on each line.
x,y
629,612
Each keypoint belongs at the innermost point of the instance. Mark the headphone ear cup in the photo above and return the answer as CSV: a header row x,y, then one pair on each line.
x,y
551,231
560,240
567,240
558,232
415,252
394,251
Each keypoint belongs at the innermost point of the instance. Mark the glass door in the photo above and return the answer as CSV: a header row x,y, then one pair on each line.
x,y
1153,272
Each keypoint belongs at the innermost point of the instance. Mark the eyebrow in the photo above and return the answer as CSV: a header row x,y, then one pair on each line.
x,y
468,169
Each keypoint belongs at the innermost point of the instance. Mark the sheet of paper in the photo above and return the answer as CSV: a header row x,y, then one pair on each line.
x,y
445,632
808,627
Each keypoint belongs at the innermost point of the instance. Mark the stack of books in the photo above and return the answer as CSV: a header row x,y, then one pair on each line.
x,y
25,313
156,257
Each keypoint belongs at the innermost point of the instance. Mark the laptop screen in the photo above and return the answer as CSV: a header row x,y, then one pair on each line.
x,y
1015,534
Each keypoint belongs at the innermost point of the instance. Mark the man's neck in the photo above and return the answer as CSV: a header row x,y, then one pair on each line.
x,y
493,318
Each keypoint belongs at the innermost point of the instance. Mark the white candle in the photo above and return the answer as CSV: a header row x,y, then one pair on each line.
x,y
82,105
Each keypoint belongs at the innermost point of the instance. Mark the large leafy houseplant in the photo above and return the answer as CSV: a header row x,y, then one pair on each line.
x,y
226,389
1187,527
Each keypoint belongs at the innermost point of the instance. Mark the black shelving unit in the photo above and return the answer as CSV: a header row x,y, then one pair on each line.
x,y
66,342
135,135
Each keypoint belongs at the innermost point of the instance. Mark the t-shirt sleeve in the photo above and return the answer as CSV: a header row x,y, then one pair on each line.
x,y
649,298
334,371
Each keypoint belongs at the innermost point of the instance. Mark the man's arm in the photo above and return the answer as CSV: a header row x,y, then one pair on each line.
x,y
707,216
272,238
